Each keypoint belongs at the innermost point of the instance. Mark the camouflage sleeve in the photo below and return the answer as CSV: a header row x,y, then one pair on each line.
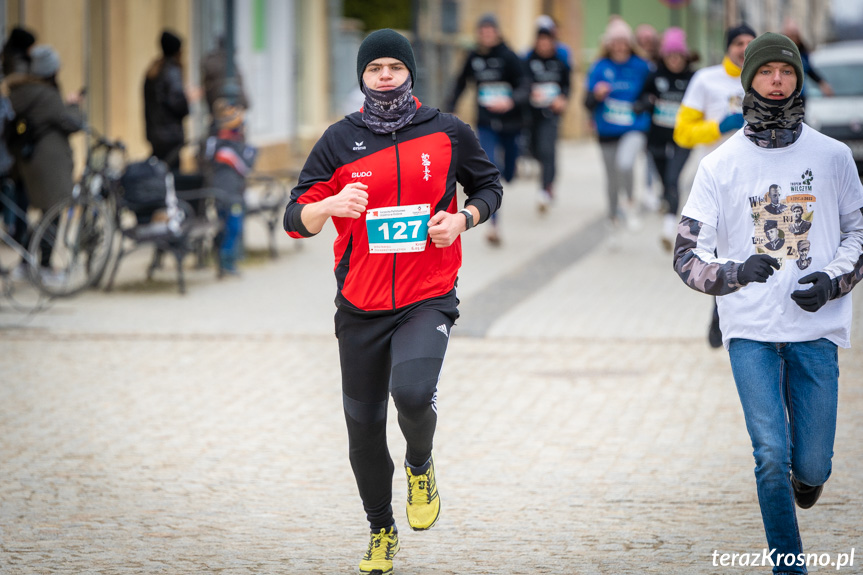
x,y
696,263
847,267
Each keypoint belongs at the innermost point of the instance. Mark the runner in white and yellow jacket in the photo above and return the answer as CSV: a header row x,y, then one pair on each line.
x,y
713,103
712,108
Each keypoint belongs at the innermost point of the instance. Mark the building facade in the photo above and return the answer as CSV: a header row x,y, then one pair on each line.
x,y
297,57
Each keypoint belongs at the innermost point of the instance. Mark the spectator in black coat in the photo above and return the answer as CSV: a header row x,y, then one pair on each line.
x,y
165,102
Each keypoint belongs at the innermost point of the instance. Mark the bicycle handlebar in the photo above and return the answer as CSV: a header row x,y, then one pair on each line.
x,y
112,145
101,141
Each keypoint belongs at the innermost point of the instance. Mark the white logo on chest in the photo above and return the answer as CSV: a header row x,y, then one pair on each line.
x,y
426,165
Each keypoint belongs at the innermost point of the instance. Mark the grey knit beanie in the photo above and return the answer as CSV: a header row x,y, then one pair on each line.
x,y
488,19
44,61
385,43
770,47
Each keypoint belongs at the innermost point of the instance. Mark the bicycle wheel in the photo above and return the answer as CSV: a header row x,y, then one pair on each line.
x,y
72,243
20,293
109,206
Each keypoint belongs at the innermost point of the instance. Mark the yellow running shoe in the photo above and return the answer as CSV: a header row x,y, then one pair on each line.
x,y
423,506
383,546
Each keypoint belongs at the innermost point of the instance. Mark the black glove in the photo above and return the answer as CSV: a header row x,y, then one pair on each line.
x,y
756,268
814,298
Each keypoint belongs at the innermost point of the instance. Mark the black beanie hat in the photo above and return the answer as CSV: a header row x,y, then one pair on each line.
x,y
733,33
170,44
770,47
385,43
20,40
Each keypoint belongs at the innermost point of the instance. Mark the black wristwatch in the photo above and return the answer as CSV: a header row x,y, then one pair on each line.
x,y
468,216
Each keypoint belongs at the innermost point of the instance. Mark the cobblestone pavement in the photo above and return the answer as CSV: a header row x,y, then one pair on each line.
x,y
585,425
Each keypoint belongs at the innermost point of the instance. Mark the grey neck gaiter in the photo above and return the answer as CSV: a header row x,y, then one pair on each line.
x,y
385,112
772,123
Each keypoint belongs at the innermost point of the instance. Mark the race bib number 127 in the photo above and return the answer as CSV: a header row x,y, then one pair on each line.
x,y
398,229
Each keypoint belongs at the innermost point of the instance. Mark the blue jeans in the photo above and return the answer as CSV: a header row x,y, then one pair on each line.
x,y
789,393
501,148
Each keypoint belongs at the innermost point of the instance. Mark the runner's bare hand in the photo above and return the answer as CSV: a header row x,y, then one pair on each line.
x,y
558,105
445,227
351,202
501,106
601,90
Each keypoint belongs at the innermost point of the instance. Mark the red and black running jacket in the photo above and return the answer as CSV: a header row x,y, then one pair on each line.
x,y
418,164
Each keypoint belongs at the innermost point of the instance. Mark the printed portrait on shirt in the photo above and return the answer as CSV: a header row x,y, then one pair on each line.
x,y
782,221
798,226
775,237
803,259
735,104
775,206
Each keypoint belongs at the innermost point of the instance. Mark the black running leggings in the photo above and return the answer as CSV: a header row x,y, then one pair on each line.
x,y
402,353
669,160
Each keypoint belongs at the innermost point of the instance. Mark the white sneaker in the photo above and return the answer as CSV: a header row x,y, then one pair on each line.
x,y
20,273
630,217
543,200
53,279
650,202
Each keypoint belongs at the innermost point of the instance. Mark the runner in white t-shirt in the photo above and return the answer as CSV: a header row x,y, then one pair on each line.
x,y
780,283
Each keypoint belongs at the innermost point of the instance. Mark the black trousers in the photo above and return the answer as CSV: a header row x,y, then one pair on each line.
x,y
669,160
168,152
543,145
400,353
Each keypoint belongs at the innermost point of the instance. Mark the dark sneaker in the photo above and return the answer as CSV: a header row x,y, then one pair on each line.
x,y
714,334
805,495
493,237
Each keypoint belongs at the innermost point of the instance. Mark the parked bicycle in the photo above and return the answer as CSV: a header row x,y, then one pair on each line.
x,y
75,237
17,288
69,247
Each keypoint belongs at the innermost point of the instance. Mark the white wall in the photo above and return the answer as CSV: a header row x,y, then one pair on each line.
x,y
268,75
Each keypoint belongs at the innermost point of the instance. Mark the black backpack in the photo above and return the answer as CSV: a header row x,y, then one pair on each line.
x,y
146,187
19,137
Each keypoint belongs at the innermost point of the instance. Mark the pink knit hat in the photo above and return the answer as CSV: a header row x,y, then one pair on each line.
x,y
617,29
673,42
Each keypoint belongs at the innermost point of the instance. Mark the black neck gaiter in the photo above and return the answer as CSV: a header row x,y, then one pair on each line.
x,y
772,123
387,111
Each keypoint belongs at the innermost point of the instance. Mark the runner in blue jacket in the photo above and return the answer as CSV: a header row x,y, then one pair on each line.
x,y
614,85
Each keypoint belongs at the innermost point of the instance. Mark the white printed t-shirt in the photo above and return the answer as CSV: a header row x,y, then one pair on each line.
x,y
731,194
714,93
